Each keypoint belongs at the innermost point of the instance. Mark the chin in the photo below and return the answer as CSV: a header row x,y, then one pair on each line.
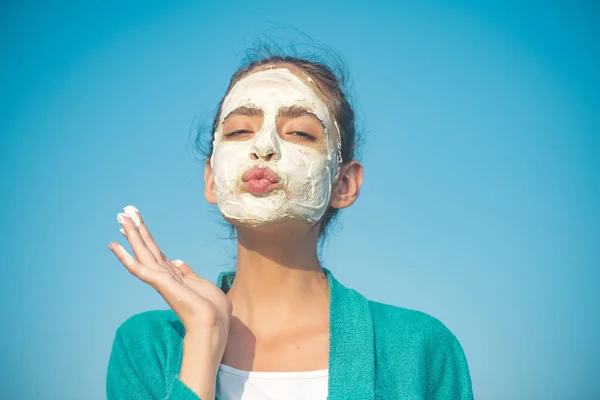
x,y
273,223
284,221
280,230
248,211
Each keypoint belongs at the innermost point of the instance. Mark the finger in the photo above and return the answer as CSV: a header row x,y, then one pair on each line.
x,y
174,269
141,251
132,266
133,213
185,269
136,216
160,257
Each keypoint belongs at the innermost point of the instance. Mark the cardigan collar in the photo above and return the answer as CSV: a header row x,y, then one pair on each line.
x,y
351,341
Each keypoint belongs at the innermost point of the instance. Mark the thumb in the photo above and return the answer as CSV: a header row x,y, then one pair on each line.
x,y
183,267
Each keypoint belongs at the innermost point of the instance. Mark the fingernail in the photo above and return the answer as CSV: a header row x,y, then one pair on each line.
x,y
132,212
132,207
178,263
121,218
122,231
128,258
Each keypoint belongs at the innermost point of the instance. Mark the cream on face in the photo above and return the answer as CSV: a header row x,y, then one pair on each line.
x,y
306,174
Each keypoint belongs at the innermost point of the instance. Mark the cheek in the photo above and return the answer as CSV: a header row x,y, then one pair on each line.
x,y
228,159
303,164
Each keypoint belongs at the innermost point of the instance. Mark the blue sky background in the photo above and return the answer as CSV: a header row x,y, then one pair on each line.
x,y
481,197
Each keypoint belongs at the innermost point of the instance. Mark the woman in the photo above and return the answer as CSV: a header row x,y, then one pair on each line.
x,y
281,326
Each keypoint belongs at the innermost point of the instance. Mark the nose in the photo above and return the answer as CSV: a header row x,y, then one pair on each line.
x,y
267,155
265,146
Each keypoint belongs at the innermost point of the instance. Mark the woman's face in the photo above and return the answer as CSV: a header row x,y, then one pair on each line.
x,y
276,151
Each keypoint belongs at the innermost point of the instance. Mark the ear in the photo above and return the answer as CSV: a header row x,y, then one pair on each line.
x,y
209,184
347,187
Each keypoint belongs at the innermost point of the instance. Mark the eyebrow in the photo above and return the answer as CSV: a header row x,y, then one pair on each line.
x,y
289,112
249,111
297,111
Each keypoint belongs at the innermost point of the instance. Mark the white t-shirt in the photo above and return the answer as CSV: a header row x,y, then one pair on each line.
x,y
236,384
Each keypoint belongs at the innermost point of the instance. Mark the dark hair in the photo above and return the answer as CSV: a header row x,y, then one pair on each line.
x,y
331,84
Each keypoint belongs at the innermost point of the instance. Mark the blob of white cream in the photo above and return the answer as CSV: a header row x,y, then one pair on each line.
x,y
306,173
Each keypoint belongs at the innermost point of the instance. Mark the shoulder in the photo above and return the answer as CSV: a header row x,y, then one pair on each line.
x,y
156,334
152,323
392,322
420,353
146,354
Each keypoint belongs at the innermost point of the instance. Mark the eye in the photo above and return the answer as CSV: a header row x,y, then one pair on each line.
x,y
303,135
238,132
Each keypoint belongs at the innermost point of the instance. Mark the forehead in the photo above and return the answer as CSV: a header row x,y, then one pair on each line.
x,y
272,89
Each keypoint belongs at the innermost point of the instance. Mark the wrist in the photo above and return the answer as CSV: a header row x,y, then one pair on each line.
x,y
208,342
199,365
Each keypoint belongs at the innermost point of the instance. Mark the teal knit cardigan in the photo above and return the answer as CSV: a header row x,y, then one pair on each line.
x,y
376,351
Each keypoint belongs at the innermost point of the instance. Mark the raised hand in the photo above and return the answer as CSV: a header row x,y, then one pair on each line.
x,y
203,308
197,302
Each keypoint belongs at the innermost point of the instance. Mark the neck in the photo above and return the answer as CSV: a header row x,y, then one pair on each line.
x,y
278,277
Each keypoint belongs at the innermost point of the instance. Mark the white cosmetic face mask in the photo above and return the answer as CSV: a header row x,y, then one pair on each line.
x,y
306,174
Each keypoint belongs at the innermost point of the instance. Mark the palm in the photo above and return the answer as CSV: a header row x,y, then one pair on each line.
x,y
184,290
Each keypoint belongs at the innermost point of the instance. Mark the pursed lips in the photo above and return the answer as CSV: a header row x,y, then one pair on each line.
x,y
260,180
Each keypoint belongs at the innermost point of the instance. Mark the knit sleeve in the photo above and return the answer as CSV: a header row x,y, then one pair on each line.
x,y
123,380
179,391
449,371
140,367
